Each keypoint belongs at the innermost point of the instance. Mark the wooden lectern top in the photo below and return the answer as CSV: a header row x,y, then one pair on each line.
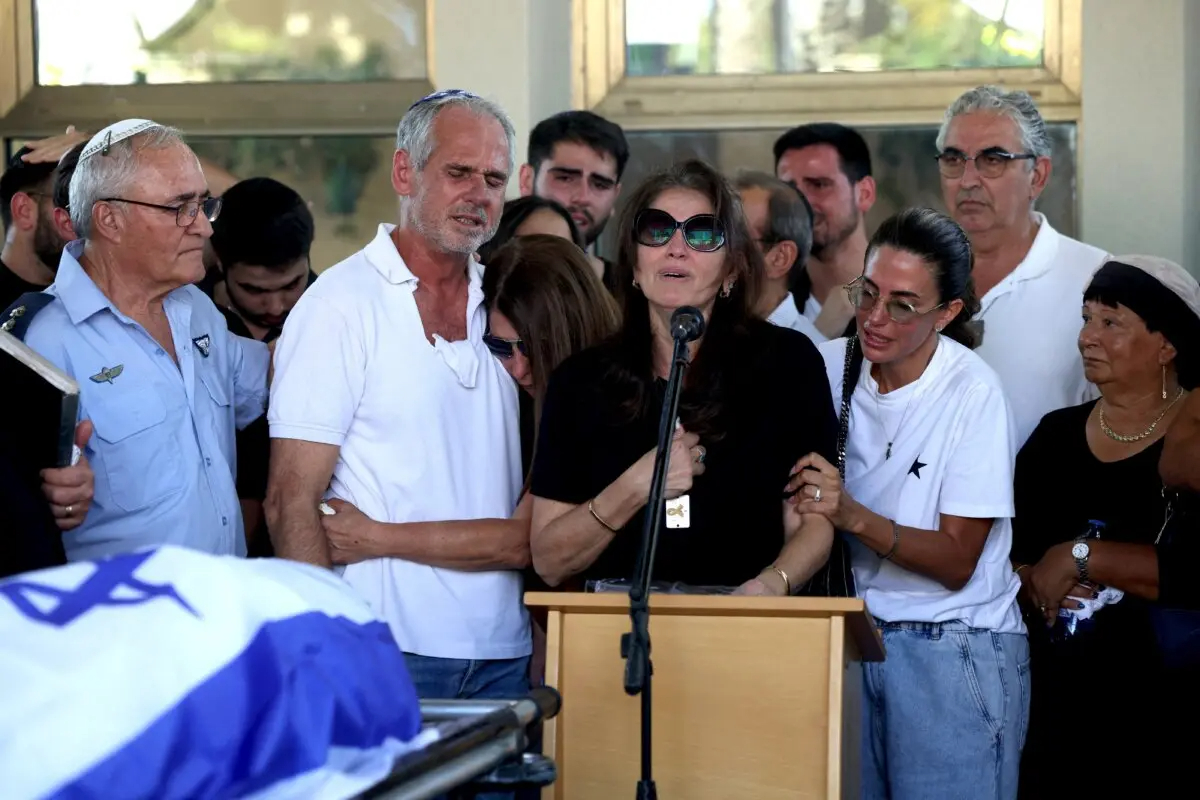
x,y
860,626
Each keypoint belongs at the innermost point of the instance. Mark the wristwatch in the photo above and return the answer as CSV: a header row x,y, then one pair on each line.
x,y
1081,552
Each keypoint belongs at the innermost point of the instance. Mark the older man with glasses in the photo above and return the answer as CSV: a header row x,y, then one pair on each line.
x,y
993,152
162,380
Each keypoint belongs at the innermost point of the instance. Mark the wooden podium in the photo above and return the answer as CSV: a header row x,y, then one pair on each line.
x,y
753,697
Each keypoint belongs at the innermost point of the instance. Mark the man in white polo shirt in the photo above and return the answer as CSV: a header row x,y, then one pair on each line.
x,y
994,159
386,397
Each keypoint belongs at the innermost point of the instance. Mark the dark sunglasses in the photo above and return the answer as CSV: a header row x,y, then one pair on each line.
x,y
703,232
503,348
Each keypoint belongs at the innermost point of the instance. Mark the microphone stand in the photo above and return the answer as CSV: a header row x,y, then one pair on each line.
x,y
635,645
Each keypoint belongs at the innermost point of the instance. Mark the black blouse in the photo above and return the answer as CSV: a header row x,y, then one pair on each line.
x,y
776,411
1109,678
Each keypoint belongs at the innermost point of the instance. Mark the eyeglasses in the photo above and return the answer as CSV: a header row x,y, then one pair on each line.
x,y
899,311
703,232
990,163
185,214
505,348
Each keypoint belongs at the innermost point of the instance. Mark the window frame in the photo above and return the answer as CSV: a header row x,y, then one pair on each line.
x,y
258,108
895,97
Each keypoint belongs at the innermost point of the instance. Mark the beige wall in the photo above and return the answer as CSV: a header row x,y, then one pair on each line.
x,y
516,52
1140,137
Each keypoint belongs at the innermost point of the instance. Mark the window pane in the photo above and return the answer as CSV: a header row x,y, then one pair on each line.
x,y
346,179
901,159
734,37
219,41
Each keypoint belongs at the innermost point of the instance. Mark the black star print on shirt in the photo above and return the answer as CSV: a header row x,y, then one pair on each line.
x,y
915,469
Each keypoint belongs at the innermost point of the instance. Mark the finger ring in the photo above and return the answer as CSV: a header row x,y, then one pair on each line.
x,y
700,453
817,496
69,510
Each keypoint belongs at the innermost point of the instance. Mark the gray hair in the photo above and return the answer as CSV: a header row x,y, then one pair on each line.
x,y
414,134
109,174
1017,106
789,216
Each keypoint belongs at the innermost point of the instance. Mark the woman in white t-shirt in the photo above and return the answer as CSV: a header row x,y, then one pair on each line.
x,y
927,448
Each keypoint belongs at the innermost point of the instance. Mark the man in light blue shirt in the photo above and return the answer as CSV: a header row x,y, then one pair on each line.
x,y
161,378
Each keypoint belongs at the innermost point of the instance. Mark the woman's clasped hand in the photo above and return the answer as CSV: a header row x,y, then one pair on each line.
x,y
1053,583
816,487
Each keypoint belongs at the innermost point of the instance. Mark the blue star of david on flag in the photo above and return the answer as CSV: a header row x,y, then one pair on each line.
x,y
112,584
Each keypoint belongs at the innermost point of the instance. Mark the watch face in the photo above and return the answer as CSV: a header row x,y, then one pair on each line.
x,y
1080,550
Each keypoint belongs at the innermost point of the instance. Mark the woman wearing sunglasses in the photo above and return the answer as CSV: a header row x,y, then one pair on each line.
x,y
755,398
927,500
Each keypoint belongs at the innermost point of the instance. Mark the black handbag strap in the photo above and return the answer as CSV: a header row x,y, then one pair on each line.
x,y
835,578
851,371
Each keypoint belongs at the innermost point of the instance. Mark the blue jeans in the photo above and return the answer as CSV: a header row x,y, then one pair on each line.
x,y
945,715
460,679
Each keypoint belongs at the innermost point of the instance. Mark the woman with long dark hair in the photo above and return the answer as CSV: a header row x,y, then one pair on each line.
x,y
544,303
755,398
925,494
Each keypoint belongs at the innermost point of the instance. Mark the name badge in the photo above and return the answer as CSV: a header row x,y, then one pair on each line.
x,y
679,512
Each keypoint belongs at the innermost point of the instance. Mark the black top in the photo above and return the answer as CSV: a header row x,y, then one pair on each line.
x,y
778,409
13,286
1109,676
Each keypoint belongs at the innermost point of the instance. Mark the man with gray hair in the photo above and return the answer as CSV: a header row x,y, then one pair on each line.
x,y
160,377
994,159
388,406
781,220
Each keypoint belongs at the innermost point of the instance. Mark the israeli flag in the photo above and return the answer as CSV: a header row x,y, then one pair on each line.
x,y
169,673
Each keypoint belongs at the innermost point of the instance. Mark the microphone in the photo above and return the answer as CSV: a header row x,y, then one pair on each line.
x,y
687,324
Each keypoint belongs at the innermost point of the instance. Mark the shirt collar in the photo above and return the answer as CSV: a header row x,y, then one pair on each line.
x,y
785,313
388,262
385,258
78,292
80,295
1040,258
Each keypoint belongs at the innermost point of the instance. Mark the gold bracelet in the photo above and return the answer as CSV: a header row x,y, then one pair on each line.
x,y
1020,567
598,518
787,584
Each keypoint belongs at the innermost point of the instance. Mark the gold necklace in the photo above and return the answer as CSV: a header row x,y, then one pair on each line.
x,y
1110,433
